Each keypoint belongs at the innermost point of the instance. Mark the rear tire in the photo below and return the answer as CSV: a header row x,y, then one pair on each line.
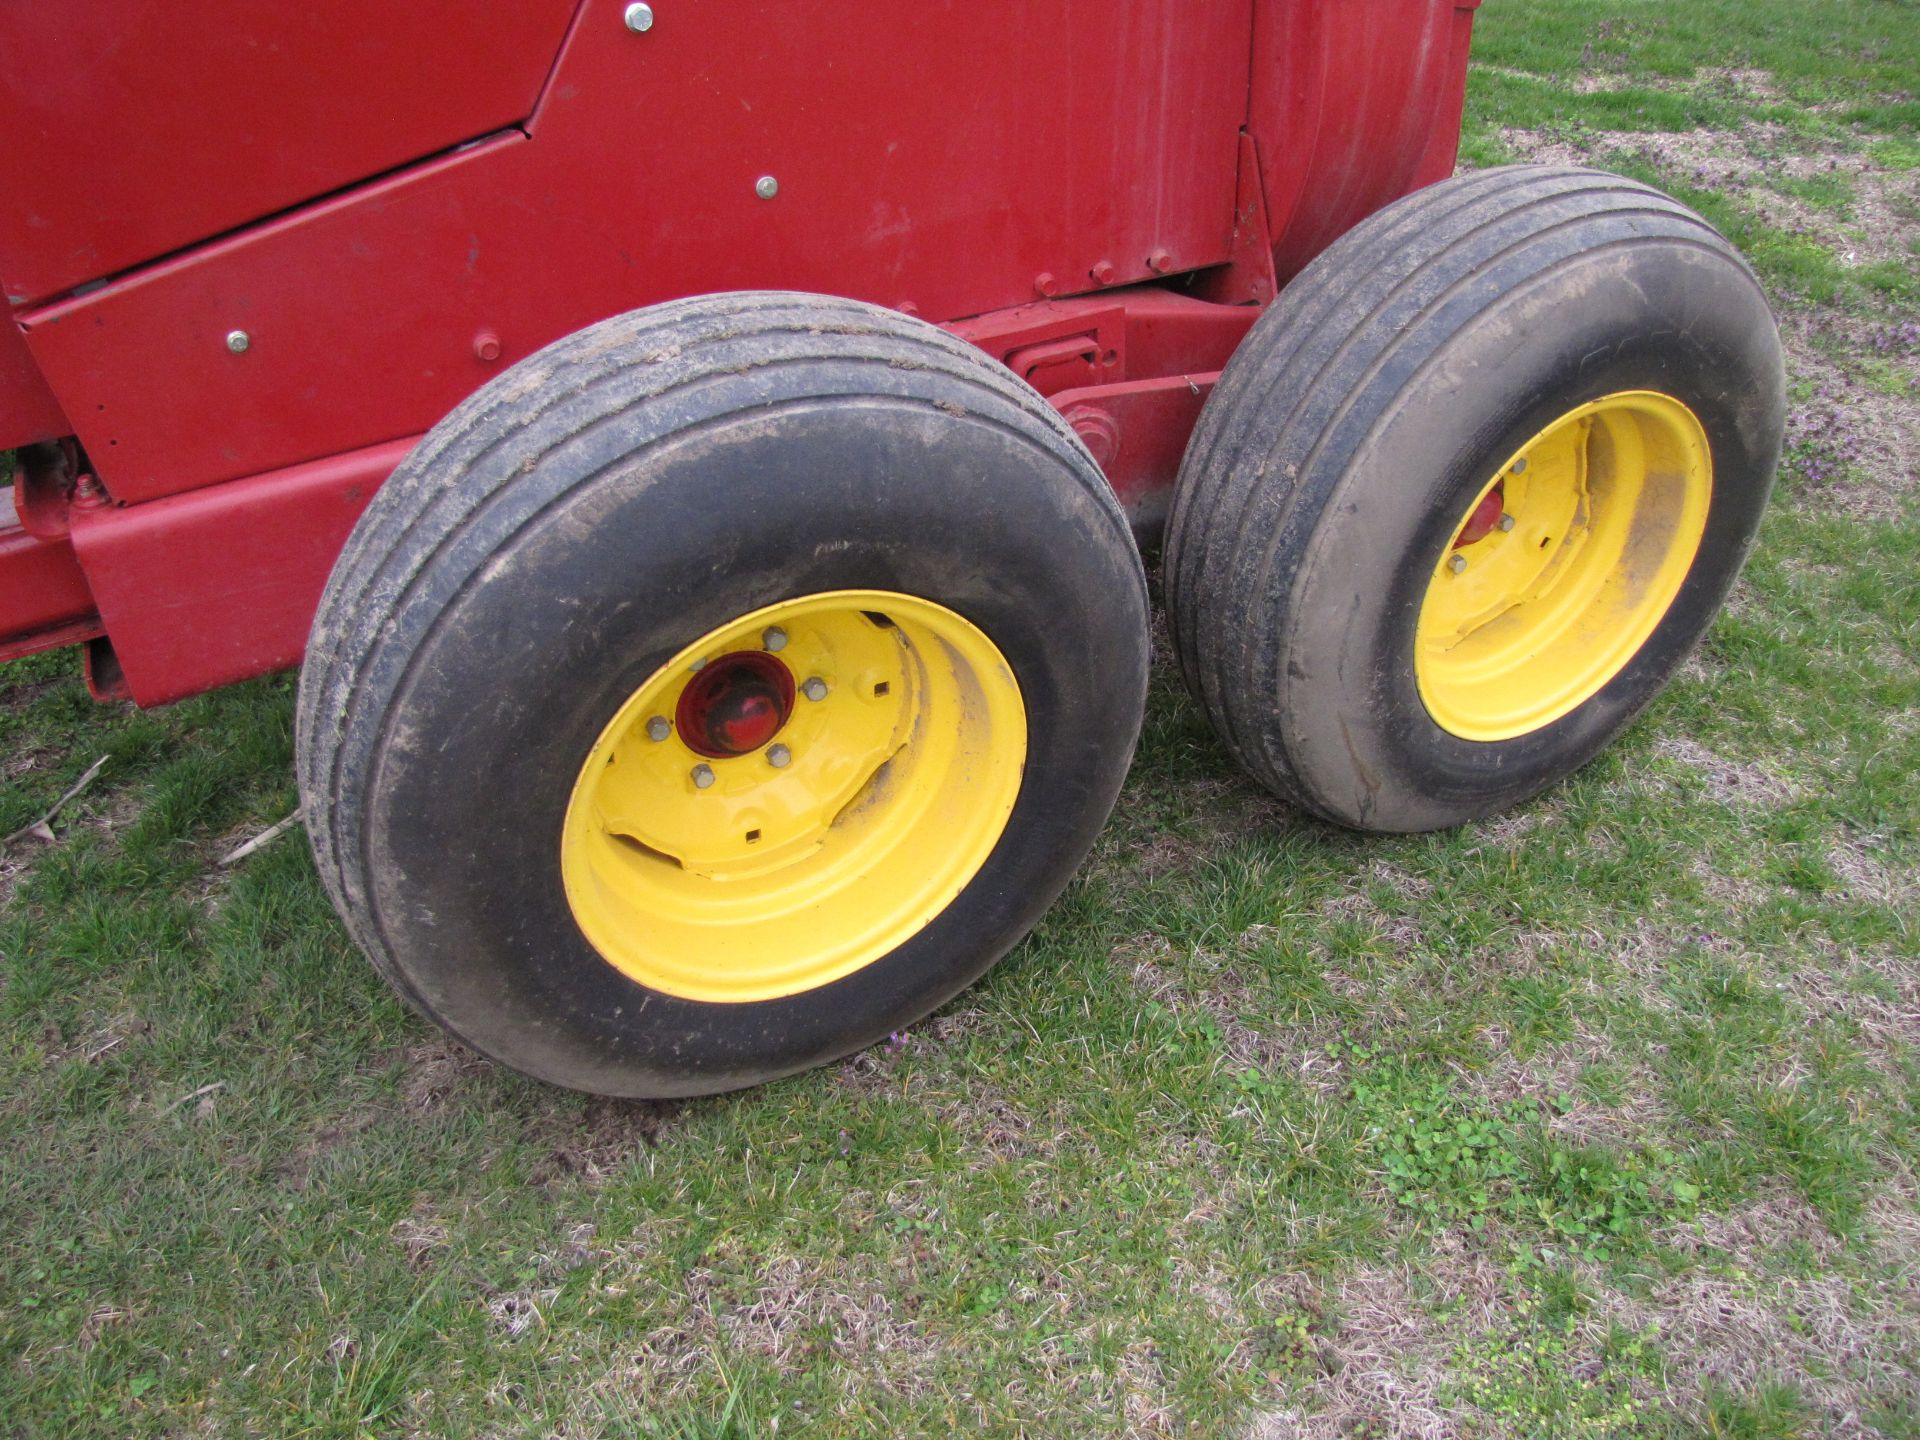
x,y
1328,498
533,589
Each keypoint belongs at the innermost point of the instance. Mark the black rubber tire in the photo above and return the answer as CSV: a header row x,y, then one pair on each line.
x,y
1361,416
601,505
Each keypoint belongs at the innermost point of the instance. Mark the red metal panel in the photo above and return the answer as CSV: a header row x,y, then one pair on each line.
x,y
135,127
935,156
203,589
1353,106
1449,101
44,599
28,411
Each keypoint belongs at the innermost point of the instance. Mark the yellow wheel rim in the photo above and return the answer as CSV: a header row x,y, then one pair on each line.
x,y
1563,566
888,781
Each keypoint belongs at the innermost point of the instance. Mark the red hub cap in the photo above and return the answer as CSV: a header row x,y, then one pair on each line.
x,y
1484,519
734,705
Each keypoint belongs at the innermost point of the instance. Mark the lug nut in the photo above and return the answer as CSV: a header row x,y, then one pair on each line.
x,y
774,639
702,776
814,689
639,18
1457,564
1520,466
659,727
779,756
1506,523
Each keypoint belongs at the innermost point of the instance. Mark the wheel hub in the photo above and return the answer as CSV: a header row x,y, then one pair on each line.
x,y
1485,518
707,859
1563,565
735,705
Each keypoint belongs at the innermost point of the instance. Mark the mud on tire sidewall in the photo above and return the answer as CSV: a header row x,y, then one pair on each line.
x,y
1671,317
465,794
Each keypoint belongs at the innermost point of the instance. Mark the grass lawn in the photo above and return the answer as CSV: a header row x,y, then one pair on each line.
x,y
1596,1120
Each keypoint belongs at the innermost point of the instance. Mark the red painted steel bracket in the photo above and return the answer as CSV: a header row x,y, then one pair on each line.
x,y
1129,370
220,584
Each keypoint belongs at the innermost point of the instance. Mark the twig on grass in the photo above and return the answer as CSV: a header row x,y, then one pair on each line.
x,y
195,1095
42,829
259,842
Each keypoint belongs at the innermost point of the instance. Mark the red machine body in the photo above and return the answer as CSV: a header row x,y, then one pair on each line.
x,y
251,255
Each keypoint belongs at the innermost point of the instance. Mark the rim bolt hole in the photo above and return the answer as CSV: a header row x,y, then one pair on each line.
x,y
882,688
753,837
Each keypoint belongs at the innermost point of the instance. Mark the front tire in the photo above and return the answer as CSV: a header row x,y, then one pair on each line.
x,y
718,690
1470,492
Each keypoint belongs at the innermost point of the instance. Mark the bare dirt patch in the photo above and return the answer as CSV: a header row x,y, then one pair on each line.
x,y
1738,84
97,1040
1856,447
1738,785
788,1310
436,1070
1381,1354
608,1134
1869,876
1736,894
296,1170
1550,1077
1208,983
1748,164
517,1312
420,1235
13,869
1393,1346
1842,1343
995,1127
90,813
1878,1003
